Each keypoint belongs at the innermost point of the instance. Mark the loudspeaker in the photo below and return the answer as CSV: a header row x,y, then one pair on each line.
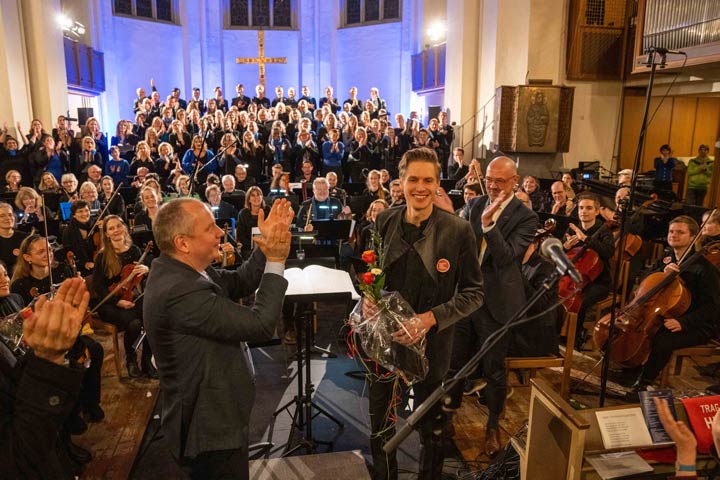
x,y
83,114
433,111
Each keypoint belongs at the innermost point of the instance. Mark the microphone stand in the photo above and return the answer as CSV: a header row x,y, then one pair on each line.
x,y
623,220
442,391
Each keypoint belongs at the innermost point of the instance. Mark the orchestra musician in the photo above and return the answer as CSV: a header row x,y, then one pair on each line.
x,y
76,238
195,325
711,228
118,251
699,323
321,206
561,205
32,278
589,234
430,260
504,228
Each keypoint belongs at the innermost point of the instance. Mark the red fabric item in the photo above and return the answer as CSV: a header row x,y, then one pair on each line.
x,y
700,412
660,455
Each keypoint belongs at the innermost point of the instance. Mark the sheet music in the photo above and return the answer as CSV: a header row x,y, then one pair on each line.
x,y
319,279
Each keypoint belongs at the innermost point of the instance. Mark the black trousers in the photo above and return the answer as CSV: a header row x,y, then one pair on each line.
x,y
382,429
663,345
470,333
129,321
90,391
592,294
221,464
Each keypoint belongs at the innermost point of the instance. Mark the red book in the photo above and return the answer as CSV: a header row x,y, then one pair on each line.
x,y
701,412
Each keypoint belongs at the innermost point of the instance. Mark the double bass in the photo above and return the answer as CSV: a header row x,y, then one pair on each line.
x,y
660,295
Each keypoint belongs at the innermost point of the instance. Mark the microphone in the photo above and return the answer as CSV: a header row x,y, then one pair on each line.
x,y
665,51
552,248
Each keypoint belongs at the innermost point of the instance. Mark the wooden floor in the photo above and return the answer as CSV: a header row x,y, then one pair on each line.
x,y
128,404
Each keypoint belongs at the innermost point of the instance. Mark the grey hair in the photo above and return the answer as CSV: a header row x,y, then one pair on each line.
x,y
173,219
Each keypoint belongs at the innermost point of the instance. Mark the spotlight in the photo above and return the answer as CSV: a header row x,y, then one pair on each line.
x,y
436,31
71,29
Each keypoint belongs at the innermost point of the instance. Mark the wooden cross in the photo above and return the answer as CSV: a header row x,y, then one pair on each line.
x,y
261,59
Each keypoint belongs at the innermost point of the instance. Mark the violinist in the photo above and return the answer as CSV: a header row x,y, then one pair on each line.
x,y
31,279
76,237
699,322
634,222
711,228
117,252
588,234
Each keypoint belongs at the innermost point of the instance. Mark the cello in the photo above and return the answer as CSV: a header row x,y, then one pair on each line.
x,y
660,295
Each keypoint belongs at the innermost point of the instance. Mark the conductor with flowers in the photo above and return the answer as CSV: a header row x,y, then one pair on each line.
x,y
429,257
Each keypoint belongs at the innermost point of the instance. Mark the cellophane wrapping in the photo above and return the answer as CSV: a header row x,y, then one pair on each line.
x,y
375,334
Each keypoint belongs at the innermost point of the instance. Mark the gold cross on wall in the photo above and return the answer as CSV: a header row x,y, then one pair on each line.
x,y
261,59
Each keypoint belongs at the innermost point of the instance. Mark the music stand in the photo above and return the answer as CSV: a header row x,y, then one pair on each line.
x,y
303,415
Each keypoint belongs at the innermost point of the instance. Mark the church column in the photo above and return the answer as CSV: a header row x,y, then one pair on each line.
x,y
461,62
14,81
309,69
46,60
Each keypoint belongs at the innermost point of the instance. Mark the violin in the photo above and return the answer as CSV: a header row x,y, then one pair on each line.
x,y
660,295
128,281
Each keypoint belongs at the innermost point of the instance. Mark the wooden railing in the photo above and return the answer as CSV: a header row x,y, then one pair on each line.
x,y
428,69
85,68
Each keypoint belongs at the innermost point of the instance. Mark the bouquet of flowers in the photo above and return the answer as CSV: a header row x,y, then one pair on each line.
x,y
379,314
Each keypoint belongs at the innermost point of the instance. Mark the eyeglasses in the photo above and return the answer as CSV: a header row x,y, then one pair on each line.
x,y
500,182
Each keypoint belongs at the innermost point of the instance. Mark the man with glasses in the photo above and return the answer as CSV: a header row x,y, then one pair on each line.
x,y
504,228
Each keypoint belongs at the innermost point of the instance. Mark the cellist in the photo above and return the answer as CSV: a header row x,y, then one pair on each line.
x,y
601,242
698,324
118,251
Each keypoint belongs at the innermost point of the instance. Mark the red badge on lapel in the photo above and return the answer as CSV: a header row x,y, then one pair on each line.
x,y
667,260
442,265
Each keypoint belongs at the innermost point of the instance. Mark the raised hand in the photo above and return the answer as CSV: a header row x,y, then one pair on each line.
x,y
54,326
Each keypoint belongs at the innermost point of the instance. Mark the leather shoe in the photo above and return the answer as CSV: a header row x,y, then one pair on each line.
x,y
149,369
133,370
77,453
492,442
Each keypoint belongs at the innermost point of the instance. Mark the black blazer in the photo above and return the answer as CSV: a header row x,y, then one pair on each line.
x,y
454,294
507,242
197,333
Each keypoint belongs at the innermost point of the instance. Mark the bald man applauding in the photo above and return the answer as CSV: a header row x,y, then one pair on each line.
x,y
197,331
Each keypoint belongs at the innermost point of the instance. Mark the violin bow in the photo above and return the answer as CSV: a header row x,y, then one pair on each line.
x,y
102,212
47,241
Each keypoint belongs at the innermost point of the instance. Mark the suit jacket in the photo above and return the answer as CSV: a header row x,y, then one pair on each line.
x,y
453,294
507,242
197,333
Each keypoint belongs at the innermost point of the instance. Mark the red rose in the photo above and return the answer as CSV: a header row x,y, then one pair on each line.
x,y
367,278
368,256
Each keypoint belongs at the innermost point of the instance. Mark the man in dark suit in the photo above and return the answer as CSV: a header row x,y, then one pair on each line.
x,y
504,228
198,332
430,259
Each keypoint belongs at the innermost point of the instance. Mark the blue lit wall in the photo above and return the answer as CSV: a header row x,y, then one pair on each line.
x,y
200,52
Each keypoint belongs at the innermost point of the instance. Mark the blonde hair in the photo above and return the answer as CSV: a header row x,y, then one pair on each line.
x,y
111,260
24,193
